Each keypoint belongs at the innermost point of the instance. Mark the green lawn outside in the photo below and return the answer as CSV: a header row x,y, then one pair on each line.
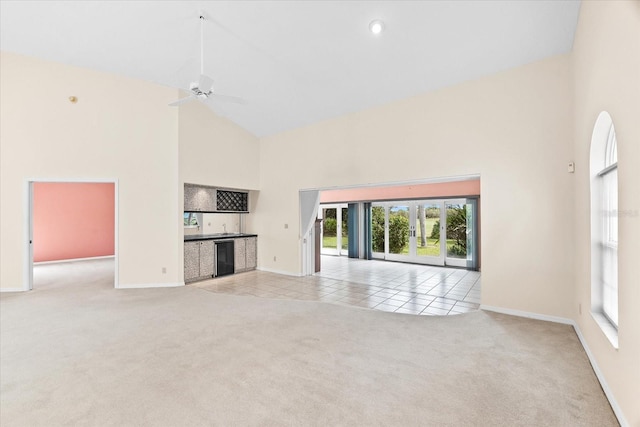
x,y
432,248
332,242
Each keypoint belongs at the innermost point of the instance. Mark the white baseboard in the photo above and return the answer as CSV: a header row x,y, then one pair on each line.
x,y
150,285
596,369
605,387
12,289
284,273
74,260
528,314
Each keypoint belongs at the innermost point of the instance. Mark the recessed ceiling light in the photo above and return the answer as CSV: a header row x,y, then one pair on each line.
x,y
376,26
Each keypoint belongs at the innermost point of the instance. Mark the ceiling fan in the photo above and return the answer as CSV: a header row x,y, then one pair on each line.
x,y
202,89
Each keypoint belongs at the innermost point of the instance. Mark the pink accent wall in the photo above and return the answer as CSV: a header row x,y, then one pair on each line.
x,y
440,189
73,220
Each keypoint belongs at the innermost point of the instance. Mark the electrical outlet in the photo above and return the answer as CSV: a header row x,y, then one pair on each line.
x,y
274,258
164,270
286,226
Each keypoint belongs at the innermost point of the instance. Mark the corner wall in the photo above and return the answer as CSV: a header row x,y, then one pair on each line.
x,y
606,61
514,129
120,129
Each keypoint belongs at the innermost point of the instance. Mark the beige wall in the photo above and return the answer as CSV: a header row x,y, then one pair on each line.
x,y
215,151
119,129
606,58
513,128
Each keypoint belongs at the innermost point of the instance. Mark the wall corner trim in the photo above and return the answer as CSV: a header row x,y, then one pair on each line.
x,y
59,261
150,285
527,314
594,365
284,273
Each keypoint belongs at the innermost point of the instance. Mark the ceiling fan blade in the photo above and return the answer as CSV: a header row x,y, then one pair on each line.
x,y
229,98
182,101
205,84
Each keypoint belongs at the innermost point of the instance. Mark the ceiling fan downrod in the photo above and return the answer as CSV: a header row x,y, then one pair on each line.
x,y
201,44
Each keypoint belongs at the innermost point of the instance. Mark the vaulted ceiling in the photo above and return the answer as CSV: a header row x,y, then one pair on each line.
x,y
294,62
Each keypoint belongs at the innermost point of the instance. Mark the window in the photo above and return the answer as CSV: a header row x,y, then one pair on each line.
x,y
609,222
604,225
190,219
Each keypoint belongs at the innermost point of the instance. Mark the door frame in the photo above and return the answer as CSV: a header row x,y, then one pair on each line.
x,y
338,207
412,256
28,224
454,262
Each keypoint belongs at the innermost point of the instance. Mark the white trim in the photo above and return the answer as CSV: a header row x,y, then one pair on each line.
x,y
58,261
284,273
13,290
527,314
607,328
116,238
596,369
151,285
603,383
307,230
27,265
27,276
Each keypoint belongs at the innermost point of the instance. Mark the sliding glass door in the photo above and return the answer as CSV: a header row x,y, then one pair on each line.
x,y
436,232
335,229
429,247
456,232
379,230
399,232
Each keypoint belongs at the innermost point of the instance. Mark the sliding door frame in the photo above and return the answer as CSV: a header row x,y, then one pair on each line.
x,y
339,251
443,259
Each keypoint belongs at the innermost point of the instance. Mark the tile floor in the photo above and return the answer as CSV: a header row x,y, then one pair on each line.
x,y
379,285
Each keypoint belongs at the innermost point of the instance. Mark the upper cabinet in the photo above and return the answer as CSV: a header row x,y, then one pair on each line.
x,y
202,198
199,198
232,201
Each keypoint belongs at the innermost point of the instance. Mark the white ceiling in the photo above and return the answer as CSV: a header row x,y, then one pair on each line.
x,y
295,62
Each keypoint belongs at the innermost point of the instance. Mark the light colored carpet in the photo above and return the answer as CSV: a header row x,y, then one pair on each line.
x,y
92,355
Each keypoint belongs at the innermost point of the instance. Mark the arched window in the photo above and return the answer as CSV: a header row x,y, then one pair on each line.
x,y
604,223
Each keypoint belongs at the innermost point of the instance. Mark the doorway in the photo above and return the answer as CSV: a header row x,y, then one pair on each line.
x,y
436,232
334,229
70,221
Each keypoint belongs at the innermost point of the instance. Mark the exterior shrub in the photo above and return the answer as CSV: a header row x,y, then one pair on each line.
x,y
398,233
330,227
377,229
456,230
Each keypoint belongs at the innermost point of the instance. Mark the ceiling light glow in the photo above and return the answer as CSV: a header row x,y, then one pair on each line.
x,y
376,26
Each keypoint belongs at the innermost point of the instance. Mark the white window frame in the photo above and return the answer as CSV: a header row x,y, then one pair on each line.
x,y
604,227
192,215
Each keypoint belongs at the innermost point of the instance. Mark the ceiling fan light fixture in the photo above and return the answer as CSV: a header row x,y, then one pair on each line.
x,y
202,89
376,26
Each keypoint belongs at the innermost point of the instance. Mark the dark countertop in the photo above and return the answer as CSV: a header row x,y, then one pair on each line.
x,y
217,236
